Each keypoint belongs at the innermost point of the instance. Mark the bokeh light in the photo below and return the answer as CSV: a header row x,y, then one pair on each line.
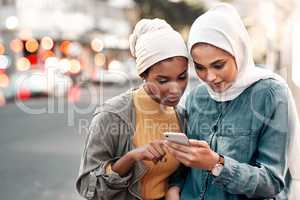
x,y
4,62
11,22
31,45
23,94
97,45
25,34
4,80
2,49
33,59
23,64
99,59
74,66
16,45
115,65
47,43
74,94
64,47
75,49
52,62
64,65
2,99
46,54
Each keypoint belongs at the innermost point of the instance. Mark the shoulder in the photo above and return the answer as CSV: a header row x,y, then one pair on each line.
x,y
115,111
267,96
270,88
269,84
105,117
105,122
199,91
198,94
117,104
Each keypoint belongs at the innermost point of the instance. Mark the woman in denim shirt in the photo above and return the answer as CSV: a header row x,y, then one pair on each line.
x,y
238,119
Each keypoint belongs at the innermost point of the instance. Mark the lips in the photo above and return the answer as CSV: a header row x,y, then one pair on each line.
x,y
217,84
173,99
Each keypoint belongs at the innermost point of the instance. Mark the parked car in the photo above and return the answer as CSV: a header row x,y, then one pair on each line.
x,y
32,83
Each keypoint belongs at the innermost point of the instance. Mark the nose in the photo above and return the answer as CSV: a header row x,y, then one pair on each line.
x,y
210,76
174,88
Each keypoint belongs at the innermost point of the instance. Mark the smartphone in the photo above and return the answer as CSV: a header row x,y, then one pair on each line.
x,y
179,138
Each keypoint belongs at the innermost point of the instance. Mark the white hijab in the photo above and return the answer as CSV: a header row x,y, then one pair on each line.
x,y
222,27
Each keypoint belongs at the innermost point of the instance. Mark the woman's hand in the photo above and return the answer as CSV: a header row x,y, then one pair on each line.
x,y
198,154
173,193
154,151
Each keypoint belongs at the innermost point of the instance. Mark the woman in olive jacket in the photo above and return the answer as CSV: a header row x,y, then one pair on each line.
x,y
124,155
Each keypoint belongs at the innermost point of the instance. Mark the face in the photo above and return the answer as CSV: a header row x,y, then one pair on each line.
x,y
167,80
214,66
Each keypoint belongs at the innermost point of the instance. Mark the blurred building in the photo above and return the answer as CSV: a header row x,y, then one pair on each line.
x,y
93,32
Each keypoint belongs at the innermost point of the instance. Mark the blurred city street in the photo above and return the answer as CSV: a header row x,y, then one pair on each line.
x,y
40,154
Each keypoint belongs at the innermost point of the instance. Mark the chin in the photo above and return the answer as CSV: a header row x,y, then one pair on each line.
x,y
171,103
218,90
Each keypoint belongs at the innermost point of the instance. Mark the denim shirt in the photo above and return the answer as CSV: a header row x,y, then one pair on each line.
x,y
251,133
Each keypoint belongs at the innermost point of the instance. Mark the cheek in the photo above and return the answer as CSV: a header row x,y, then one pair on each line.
x,y
154,88
201,74
182,84
229,74
158,90
164,90
233,75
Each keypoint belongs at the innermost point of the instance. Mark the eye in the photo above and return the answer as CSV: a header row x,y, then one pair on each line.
x,y
219,65
162,81
199,67
183,76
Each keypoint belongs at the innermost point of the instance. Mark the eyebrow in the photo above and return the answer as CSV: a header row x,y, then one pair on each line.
x,y
198,64
213,63
166,77
218,61
183,72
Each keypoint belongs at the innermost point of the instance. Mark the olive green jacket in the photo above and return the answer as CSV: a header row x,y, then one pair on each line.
x,y
110,137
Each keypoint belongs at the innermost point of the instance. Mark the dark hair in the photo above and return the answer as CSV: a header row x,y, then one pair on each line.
x,y
145,73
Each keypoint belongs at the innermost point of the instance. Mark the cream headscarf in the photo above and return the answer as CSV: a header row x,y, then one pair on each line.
x,y
222,27
154,40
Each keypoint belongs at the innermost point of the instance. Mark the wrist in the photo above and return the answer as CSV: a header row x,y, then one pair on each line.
x,y
217,169
124,164
175,189
173,193
131,156
216,159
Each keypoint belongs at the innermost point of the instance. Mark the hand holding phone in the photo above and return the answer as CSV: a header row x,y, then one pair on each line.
x,y
179,138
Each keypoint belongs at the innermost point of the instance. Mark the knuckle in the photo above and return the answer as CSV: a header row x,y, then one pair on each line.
x,y
188,163
176,146
205,144
194,151
190,158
